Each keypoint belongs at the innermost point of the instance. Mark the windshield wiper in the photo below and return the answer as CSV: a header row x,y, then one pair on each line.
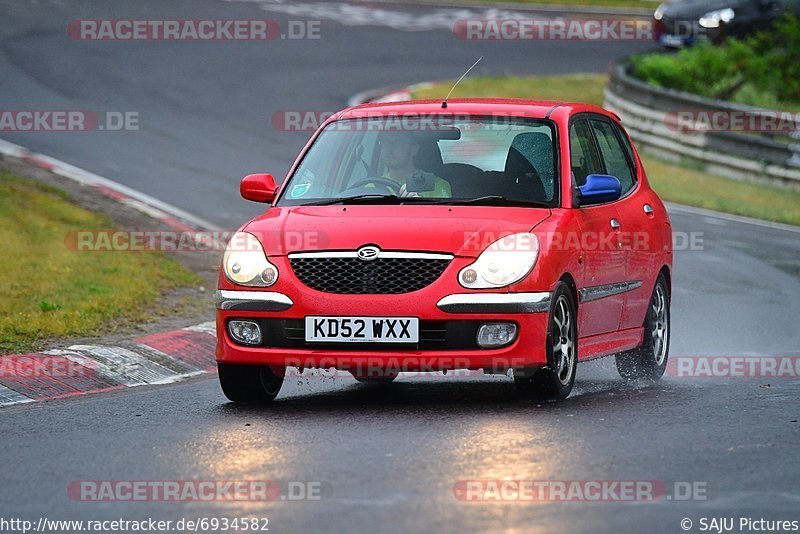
x,y
366,198
498,200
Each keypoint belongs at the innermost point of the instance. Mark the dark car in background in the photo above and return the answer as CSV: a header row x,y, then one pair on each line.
x,y
683,22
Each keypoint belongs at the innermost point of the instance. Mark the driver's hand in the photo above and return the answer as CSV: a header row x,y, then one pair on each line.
x,y
404,192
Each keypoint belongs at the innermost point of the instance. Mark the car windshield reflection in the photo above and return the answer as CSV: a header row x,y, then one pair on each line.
x,y
444,160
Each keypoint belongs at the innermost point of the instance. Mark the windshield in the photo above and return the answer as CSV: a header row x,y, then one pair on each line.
x,y
435,159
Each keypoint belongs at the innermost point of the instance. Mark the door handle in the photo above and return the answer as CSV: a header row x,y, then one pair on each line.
x,y
615,224
648,209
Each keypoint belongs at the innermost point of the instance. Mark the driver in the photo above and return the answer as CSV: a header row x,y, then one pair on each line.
x,y
398,153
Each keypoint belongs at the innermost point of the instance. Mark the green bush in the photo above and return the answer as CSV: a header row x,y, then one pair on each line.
x,y
762,70
780,69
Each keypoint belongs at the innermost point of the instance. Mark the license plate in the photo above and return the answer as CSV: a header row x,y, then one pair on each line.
x,y
362,329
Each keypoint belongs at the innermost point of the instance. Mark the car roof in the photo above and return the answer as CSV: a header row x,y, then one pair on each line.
x,y
537,109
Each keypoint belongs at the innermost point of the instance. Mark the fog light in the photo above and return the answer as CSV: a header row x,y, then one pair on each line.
x,y
468,276
496,334
269,275
245,332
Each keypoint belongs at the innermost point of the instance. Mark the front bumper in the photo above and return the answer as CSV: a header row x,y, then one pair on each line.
x,y
450,321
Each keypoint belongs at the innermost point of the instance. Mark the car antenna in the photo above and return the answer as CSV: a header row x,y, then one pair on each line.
x,y
444,102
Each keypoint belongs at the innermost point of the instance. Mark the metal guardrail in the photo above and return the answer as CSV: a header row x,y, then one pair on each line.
x,y
649,114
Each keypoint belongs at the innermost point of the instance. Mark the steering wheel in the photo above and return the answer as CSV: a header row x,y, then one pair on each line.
x,y
391,185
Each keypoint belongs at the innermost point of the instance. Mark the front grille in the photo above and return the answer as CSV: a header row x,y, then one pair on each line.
x,y
433,335
354,276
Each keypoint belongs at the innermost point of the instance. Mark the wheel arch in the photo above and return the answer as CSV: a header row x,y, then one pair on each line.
x,y
568,279
668,276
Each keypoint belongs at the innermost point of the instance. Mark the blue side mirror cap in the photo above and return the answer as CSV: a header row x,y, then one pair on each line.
x,y
600,188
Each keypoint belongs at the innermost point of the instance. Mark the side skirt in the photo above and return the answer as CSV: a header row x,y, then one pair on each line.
x,y
601,345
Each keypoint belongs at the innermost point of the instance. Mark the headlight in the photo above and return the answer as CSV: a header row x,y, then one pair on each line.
x,y
504,262
713,18
659,13
245,263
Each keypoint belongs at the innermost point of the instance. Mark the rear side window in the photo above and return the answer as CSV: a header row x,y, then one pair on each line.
x,y
582,152
613,154
626,144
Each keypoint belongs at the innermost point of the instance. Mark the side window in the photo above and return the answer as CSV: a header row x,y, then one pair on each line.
x,y
613,154
626,144
582,153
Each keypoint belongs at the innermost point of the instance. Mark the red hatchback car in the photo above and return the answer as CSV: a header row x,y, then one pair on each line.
x,y
475,234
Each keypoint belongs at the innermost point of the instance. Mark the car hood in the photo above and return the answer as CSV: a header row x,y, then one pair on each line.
x,y
460,230
694,9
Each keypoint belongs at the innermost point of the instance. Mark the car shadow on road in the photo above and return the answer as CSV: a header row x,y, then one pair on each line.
x,y
454,396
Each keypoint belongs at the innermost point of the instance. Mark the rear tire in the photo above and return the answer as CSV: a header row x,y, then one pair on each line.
x,y
649,361
256,384
555,381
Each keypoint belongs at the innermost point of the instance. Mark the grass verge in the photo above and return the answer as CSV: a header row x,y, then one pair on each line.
x,y
48,290
567,87
674,183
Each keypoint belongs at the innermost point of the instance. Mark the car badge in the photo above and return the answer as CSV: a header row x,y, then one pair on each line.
x,y
368,253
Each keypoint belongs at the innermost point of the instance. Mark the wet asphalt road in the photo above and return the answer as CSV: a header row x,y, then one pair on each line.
x,y
388,457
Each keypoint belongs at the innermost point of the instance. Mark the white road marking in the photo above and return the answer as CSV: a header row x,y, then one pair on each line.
x,y
108,371
9,397
434,18
730,217
209,327
121,365
397,96
149,352
11,149
67,170
143,202
735,244
133,368
715,222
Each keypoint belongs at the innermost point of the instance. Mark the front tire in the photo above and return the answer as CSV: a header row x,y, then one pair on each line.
x,y
255,384
649,361
555,381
